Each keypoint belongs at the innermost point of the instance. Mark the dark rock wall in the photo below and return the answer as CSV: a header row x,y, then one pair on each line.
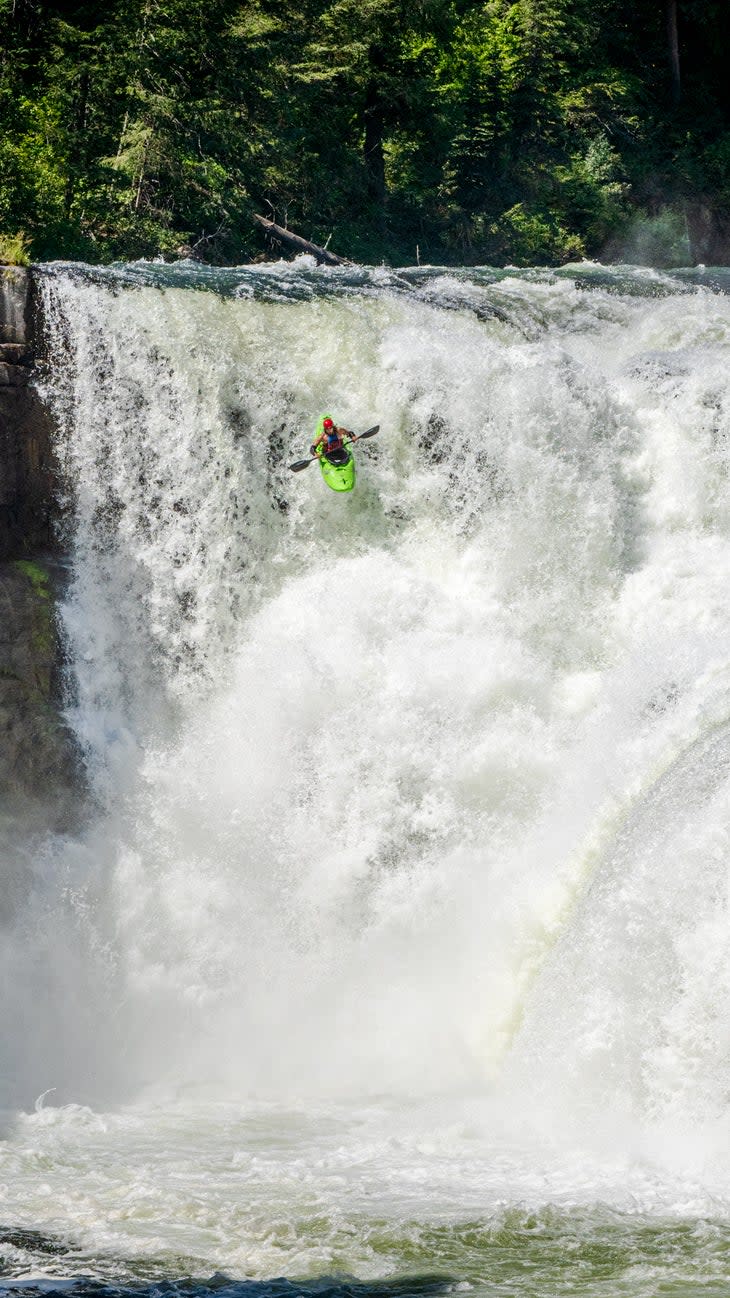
x,y
26,432
39,766
40,785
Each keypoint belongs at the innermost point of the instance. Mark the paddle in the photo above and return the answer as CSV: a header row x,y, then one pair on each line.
x,y
304,464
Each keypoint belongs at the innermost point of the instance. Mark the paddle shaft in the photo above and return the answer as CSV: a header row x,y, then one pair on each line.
x,y
304,464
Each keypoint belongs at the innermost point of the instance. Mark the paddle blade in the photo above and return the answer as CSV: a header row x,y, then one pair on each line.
x,y
370,432
301,464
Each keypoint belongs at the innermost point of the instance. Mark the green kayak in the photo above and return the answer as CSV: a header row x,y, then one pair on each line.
x,y
338,469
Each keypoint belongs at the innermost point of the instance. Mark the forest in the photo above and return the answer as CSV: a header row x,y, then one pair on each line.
x,y
440,131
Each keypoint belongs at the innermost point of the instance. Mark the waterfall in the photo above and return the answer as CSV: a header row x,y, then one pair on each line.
x,y
417,792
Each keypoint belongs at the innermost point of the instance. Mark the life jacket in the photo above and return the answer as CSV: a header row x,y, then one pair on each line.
x,y
330,441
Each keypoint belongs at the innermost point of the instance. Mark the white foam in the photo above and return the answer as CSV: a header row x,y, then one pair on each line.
x,y
384,777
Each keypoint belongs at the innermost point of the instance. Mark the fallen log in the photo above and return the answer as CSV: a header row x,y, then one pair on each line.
x,y
295,241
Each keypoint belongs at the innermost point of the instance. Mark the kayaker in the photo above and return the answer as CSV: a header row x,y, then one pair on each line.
x,y
331,438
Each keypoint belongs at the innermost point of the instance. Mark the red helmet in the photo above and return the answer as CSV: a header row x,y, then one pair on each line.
x,y
328,423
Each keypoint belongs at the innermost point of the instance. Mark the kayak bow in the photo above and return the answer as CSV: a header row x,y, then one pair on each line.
x,y
339,474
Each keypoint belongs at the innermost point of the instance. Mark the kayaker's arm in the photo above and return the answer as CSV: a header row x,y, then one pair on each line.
x,y
342,433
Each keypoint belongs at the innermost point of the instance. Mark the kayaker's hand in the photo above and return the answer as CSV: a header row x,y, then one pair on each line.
x,y
313,449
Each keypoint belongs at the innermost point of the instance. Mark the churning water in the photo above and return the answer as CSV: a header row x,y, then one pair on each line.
x,y
397,946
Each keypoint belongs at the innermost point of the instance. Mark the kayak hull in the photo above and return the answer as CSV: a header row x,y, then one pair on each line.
x,y
339,477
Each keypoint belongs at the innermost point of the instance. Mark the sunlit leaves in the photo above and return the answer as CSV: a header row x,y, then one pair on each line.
x,y
486,129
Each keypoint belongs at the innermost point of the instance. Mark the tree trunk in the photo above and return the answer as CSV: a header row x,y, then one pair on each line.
x,y
673,50
79,131
296,241
374,152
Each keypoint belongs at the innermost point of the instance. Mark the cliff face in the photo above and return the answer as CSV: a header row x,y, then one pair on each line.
x,y
26,463
39,766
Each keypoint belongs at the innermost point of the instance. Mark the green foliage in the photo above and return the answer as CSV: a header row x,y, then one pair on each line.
x,y
14,250
534,239
502,130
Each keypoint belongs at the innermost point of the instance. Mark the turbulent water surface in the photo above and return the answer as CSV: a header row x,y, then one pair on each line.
x,y
394,958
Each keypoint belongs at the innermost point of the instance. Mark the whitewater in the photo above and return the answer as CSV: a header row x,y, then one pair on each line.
x,y
393,954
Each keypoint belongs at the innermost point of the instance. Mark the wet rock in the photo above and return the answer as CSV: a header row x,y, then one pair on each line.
x,y
15,304
16,354
12,376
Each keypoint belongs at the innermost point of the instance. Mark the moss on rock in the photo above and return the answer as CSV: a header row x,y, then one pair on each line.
x,y
38,762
